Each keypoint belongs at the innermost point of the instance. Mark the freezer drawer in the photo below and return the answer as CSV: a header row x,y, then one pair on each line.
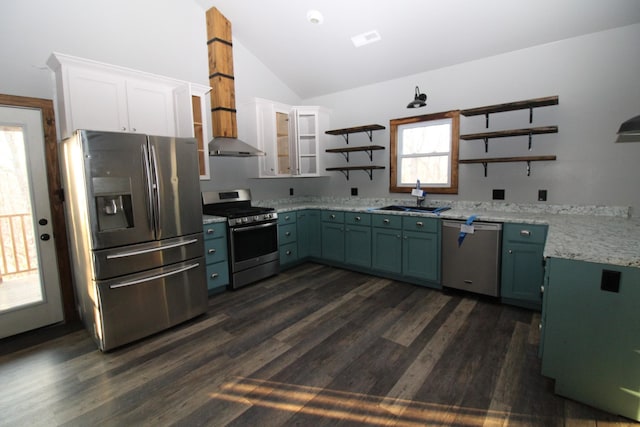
x,y
116,262
474,265
141,304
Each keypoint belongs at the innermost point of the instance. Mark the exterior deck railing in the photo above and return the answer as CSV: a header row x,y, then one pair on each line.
x,y
17,245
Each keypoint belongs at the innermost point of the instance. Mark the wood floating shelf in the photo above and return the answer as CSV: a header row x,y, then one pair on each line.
x,y
368,129
527,159
369,149
346,169
507,133
511,106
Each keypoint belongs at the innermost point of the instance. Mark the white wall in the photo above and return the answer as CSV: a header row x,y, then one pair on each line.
x,y
165,37
597,80
595,76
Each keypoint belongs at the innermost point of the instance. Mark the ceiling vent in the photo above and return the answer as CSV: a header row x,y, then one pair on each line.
x,y
366,38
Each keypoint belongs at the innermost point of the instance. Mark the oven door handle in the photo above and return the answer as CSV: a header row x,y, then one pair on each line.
x,y
254,227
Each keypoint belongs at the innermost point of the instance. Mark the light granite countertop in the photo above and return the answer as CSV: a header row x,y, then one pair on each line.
x,y
599,234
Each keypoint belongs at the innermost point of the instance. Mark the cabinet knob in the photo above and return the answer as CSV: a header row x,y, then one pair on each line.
x,y
212,251
332,216
288,252
386,221
134,130
357,218
286,218
398,236
542,289
419,224
210,230
525,233
288,233
214,275
123,128
510,251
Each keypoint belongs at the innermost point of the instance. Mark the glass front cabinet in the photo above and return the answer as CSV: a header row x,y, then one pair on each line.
x,y
290,136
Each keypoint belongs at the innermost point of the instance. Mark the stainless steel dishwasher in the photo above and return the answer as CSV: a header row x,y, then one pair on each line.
x,y
474,263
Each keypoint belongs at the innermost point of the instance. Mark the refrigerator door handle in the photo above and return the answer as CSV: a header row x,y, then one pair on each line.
x,y
156,184
147,172
155,277
148,250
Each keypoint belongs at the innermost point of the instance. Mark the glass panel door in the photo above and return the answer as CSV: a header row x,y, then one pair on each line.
x,y
29,282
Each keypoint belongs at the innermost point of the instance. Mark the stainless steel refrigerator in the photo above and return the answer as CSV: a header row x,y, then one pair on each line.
x,y
134,220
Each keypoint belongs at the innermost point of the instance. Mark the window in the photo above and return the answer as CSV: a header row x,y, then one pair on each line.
x,y
425,148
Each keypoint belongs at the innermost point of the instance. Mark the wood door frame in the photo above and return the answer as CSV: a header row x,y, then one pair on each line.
x,y
56,196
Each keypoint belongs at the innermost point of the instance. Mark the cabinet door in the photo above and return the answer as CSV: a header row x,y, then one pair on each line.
x,y
333,241
97,101
420,255
358,245
522,272
306,141
387,250
151,109
592,334
309,234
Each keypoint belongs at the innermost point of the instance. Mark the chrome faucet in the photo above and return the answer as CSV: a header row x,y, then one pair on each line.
x,y
419,194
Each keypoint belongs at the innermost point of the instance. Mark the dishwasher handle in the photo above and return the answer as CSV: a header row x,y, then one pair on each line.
x,y
478,226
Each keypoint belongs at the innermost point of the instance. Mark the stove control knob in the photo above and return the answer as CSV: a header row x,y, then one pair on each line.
x,y
256,218
245,219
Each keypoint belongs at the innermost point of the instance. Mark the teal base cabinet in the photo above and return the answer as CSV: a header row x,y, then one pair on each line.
x,y
215,254
309,234
387,244
357,239
522,264
421,249
333,236
407,248
288,239
591,334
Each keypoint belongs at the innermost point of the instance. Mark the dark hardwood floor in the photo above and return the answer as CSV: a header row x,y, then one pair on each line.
x,y
313,346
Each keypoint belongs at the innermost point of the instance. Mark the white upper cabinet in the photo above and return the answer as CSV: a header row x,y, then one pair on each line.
x,y
97,96
290,136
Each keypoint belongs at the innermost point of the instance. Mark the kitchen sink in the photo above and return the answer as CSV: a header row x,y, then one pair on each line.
x,y
401,208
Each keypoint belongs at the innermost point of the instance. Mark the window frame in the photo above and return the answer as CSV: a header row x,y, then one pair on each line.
x,y
454,115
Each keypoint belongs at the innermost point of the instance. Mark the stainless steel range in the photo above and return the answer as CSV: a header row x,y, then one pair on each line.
x,y
252,235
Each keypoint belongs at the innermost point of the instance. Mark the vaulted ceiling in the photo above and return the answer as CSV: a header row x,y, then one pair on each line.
x,y
415,35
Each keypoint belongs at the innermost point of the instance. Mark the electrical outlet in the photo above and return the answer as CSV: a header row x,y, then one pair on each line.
x,y
354,191
291,191
542,195
498,194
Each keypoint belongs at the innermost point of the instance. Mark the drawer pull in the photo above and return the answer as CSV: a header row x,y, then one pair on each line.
x,y
288,233
386,221
357,218
419,224
210,230
212,251
214,275
525,233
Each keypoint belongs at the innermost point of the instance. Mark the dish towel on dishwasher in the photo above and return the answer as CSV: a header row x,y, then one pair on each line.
x,y
462,234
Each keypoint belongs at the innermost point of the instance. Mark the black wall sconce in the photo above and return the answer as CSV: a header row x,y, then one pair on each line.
x,y
629,130
419,100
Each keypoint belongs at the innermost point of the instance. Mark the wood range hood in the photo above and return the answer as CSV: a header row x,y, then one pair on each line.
x,y
225,140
